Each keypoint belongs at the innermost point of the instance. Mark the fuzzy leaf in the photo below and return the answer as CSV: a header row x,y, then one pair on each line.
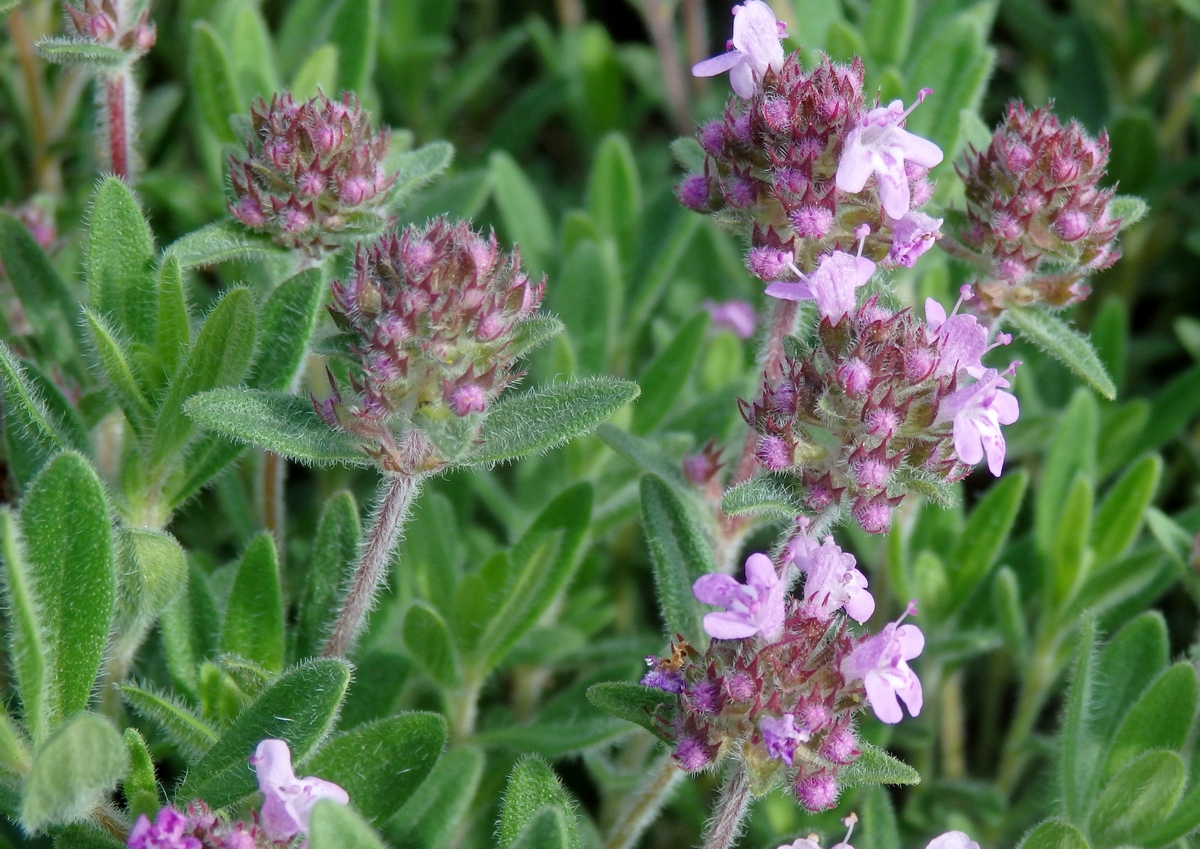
x,y
888,30
299,708
70,51
548,828
1053,834
680,553
318,73
1058,339
381,764
535,332
1160,719
140,786
766,496
986,533
557,738
433,814
335,549
47,302
379,678
254,617
220,357
76,767
354,31
415,168
523,215
153,573
33,430
186,730
688,153
546,417
335,826
288,319
114,360
879,828
1119,516
428,639
632,702
614,193
1137,801
221,241
666,376
1129,209
1081,751
875,766
531,787
1182,821
122,284
1133,658
69,547
1070,559
27,631
190,627
1072,452
174,333
215,88
285,424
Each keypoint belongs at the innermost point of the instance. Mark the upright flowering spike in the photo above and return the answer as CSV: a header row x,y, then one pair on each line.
x,y
881,663
287,800
312,174
168,831
755,48
755,607
879,145
977,411
831,580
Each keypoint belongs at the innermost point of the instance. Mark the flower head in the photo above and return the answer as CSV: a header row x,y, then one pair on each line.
x,y
168,831
912,235
831,580
881,663
111,24
781,735
755,607
754,49
288,801
879,145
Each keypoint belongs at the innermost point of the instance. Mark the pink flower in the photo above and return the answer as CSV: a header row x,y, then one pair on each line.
x,y
780,736
287,800
962,339
952,840
912,235
832,285
879,145
831,580
166,832
977,412
755,607
755,48
880,662
735,316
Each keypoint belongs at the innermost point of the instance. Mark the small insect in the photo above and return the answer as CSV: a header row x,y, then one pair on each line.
x,y
681,652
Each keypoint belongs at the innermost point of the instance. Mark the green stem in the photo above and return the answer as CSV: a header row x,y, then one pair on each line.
x,y
464,709
1034,692
644,804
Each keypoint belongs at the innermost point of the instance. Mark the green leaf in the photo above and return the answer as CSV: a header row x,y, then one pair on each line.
x,y
285,424
153,574
1182,821
220,357
548,828
887,31
379,677
381,764
299,708
680,552
532,786
432,815
984,537
140,786
1119,517
1138,800
428,638
174,333
122,283
1060,341
83,836
334,552
614,193
875,766
354,32
1133,658
556,737
335,826
543,561
7,6
254,618
221,241
644,454
634,703
251,51
189,732
1006,602
1128,209
191,628
545,418
1081,749
28,635
535,332
288,320
1070,559
879,828
14,747
124,384
1073,451
1053,834
414,168
688,153
214,85
661,271
589,303
70,51
666,376
522,213
318,73
1173,407
1160,719
33,430
72,772
766,496
47,302
69,547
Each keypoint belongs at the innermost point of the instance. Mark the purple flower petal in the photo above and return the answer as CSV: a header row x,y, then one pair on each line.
x,y
716,589
717,64
729,626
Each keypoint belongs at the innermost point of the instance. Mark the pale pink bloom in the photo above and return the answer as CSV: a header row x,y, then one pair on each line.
x,y
878,145
977,411
881,663
912,235
952,840
831,580
755,47
288,801
735,316
780,736
832,285
962,339
755,607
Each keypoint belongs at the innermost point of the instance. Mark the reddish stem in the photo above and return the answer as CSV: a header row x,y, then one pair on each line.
x,y
117,125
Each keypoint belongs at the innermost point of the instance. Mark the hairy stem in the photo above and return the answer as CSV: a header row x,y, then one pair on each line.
x,y
46,170
274,473
116,128
953,727
395,497
726,824
660,21
463,708
644,804
783,322
1034,692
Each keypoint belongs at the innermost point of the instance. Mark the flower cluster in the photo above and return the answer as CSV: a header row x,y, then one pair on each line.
x,y
1036,212
107,22
782,679
435,316
288,802
883,400
949,840
312,174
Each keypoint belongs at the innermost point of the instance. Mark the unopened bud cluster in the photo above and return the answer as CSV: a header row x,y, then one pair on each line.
x,y
1037,212
435,314
313,172
111,24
